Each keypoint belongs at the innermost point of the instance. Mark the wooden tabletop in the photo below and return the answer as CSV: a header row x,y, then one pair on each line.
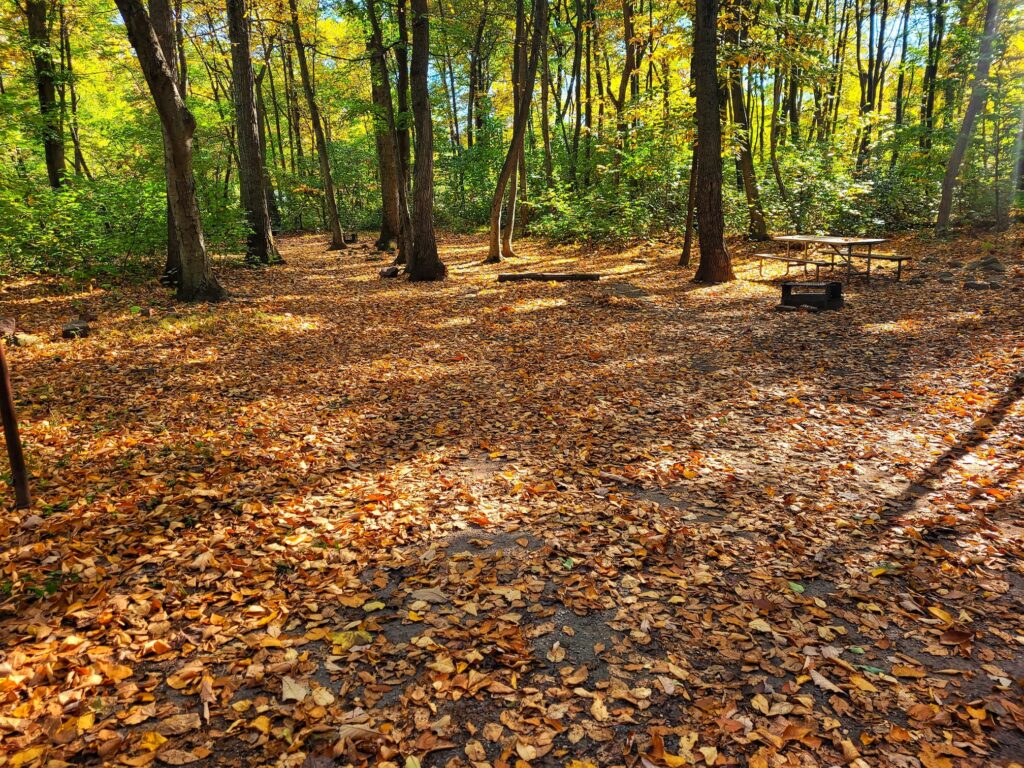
x,y
829,239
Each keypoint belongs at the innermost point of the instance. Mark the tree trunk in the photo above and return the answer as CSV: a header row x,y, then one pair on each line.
x,y
936,35
263,121
979,91
260,248
333,222
401,226
380,91
715,265
402,120
684,257
519,120
43,66
423,263
196,281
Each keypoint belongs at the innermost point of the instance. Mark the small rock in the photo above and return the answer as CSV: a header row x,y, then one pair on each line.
x,y
945,274
976,285
75,329
994,285
916,281
26,340
7,326
391,271
945,278
995,266
785,308
31,522
956,264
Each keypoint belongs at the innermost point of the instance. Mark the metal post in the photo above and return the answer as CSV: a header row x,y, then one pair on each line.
x,y
22,496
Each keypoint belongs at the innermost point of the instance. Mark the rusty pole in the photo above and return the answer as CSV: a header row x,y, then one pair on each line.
x,y
22,496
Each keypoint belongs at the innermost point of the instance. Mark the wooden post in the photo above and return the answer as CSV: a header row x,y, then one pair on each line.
x,y
23,498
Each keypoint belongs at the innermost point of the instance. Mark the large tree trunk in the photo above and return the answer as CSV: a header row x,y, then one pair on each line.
x,y
162,19
519,120
43,66
979,91
260,248
197,281
715,265
423,263
331,203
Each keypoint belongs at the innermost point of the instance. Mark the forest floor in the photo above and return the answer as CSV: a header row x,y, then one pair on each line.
x,y
638,522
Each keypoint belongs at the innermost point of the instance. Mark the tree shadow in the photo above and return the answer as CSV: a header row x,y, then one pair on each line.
x,y
978,433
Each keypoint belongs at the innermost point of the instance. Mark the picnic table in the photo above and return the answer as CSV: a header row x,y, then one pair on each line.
x,y
814,249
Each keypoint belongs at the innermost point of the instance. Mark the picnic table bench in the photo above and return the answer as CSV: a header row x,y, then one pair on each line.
x,y
813,248
791,261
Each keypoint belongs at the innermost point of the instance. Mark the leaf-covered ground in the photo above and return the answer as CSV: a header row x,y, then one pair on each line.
x,y
342,520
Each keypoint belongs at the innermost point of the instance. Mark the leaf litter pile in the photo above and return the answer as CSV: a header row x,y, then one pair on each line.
x,y
340,520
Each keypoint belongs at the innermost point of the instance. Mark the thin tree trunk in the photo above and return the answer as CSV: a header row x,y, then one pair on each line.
x,y
337,239
684,257
403,120
519,120
36,12
390,167
162,20
979,91
197,281
260,248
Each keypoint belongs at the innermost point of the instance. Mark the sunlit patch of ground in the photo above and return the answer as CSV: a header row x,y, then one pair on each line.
x,y
345,520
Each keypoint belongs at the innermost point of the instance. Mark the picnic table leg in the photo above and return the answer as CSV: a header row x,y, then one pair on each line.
x,y
899,270
868,274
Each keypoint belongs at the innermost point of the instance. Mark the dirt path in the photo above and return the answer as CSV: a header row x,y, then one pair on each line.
x,y
342,520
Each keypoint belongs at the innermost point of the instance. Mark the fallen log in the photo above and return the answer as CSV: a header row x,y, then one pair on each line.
x,y
558,277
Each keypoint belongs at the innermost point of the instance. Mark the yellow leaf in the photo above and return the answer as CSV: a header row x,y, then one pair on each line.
x,y
350,639
152,741
863,684
261,724
26,756
760,625
940,614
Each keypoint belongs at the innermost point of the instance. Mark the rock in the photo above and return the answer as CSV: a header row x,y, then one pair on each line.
x,y
391,271
75,329
995,266
956,264
31,522
945,274
785,308
7,326
26,340
976,285
995,286
916,280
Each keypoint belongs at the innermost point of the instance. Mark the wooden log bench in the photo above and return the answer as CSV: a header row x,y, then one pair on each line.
x,y
887,257
791,261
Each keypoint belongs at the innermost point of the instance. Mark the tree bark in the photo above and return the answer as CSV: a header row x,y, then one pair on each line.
x,y
979,92
43,66
423,262
390,164
331,203
260,248
519,120
196,281
715,265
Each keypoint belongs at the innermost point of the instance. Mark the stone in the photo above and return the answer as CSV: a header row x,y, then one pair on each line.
x,y
26,340
785,308
945,274
919,280
945,278
976,285
75,329
391,271
7,326
995,266
955,263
